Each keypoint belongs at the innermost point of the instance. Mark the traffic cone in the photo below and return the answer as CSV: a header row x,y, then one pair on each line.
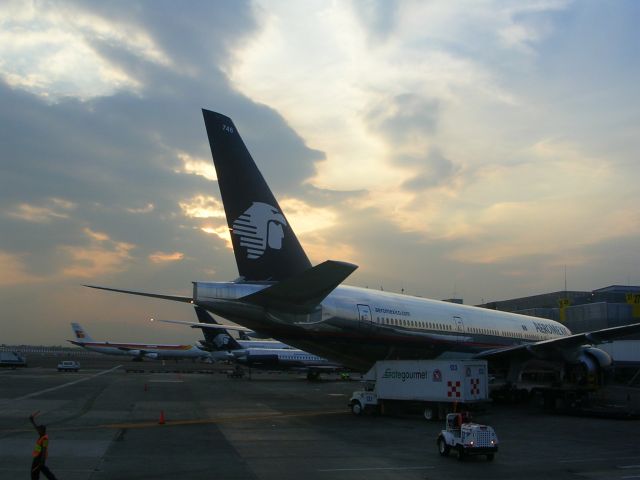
x,y
161,421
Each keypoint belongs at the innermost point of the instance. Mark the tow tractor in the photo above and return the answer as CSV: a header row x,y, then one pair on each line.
x,y
467,438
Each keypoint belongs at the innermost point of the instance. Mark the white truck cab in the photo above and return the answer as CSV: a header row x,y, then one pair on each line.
x,y
467,438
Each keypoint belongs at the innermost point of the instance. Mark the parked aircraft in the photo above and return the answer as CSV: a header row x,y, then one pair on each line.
x,y
280,294
136,350
267,354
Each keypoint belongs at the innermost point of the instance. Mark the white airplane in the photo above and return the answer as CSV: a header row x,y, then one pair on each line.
x,y
281,295
136,350
267,354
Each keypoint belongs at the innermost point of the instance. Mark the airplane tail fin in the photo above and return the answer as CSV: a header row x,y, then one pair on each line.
x,y
217,339
264,244
80,333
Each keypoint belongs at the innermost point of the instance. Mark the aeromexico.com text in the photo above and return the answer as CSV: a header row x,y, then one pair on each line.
x,y
406,375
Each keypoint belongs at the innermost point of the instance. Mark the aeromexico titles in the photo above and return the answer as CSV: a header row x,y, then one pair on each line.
x,y
281,295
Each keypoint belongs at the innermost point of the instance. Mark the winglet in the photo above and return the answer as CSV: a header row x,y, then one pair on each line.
x,y
303,292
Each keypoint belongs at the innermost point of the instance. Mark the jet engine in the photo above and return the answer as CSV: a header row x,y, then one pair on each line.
x,y
590,365
151,355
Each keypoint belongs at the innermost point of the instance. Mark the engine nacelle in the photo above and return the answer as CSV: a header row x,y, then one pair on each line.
x,y
594,359
590,367
151,355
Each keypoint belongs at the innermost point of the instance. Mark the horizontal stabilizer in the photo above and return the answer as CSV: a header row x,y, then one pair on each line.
x,y
209,326
143,294
303,292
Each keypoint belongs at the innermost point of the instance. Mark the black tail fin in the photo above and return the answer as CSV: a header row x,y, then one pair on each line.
x,y
263,242
217,339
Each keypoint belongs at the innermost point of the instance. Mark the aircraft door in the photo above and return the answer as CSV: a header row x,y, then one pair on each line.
x,y
364,315
459,326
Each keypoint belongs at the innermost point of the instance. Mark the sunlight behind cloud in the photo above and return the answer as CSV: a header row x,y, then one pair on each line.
x,y
47,49
202,206
221,232
165,257
197,166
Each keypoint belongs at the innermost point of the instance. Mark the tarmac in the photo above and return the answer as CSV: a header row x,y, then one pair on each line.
x,y
104,422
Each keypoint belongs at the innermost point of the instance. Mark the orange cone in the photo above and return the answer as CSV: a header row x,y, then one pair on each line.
x,y
161,421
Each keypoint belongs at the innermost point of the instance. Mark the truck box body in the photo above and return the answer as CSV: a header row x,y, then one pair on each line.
x,y
450,381
12,360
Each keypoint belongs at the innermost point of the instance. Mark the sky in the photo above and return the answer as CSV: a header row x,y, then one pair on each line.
x,y
450,149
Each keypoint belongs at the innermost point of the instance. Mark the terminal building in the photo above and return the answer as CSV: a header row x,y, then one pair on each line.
x,y
586,311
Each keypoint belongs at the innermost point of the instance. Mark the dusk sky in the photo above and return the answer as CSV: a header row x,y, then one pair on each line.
x,y
469,149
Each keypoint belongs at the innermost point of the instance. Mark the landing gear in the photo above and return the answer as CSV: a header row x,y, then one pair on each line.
x,y
312,376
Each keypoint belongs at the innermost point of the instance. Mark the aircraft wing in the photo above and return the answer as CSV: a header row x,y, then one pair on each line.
x,y
550,348
214,326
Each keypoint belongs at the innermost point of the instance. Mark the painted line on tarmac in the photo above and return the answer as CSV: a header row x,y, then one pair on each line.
x,y
208,421
373,469
58,387
599,459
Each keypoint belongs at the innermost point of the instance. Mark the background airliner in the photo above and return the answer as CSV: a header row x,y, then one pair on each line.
x,y
281,295
136,350
266,354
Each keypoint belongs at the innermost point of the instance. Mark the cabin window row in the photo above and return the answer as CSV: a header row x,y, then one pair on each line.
x,y
414,324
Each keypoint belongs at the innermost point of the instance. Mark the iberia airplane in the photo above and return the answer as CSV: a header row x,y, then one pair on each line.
x,y
136,350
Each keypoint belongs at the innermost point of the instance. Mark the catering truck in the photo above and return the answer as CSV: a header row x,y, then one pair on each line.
x,y
433,387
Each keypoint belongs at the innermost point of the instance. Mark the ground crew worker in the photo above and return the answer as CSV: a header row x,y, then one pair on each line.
x,y
40,451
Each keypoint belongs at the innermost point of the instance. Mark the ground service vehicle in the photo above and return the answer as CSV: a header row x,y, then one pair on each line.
x,y
467,438
68,366
12,360
433,386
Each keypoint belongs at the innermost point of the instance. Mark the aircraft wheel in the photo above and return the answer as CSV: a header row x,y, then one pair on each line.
x,y
356,408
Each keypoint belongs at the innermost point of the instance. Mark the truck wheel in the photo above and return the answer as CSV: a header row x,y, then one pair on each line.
x,y
429,414
443,448
461,454
490,457
356,408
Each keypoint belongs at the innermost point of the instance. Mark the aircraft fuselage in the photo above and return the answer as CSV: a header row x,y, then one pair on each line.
x,y
358,326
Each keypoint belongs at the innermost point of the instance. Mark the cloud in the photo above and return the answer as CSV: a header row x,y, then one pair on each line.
x,y
201,167
163,257
202,206
13,271
57,208
58,42
448,141
103,256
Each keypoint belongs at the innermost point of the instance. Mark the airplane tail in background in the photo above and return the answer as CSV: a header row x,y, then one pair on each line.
x,y
218,339
81,334
264,244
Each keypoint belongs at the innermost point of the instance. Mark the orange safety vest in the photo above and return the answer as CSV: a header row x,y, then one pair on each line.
x,y
42,442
